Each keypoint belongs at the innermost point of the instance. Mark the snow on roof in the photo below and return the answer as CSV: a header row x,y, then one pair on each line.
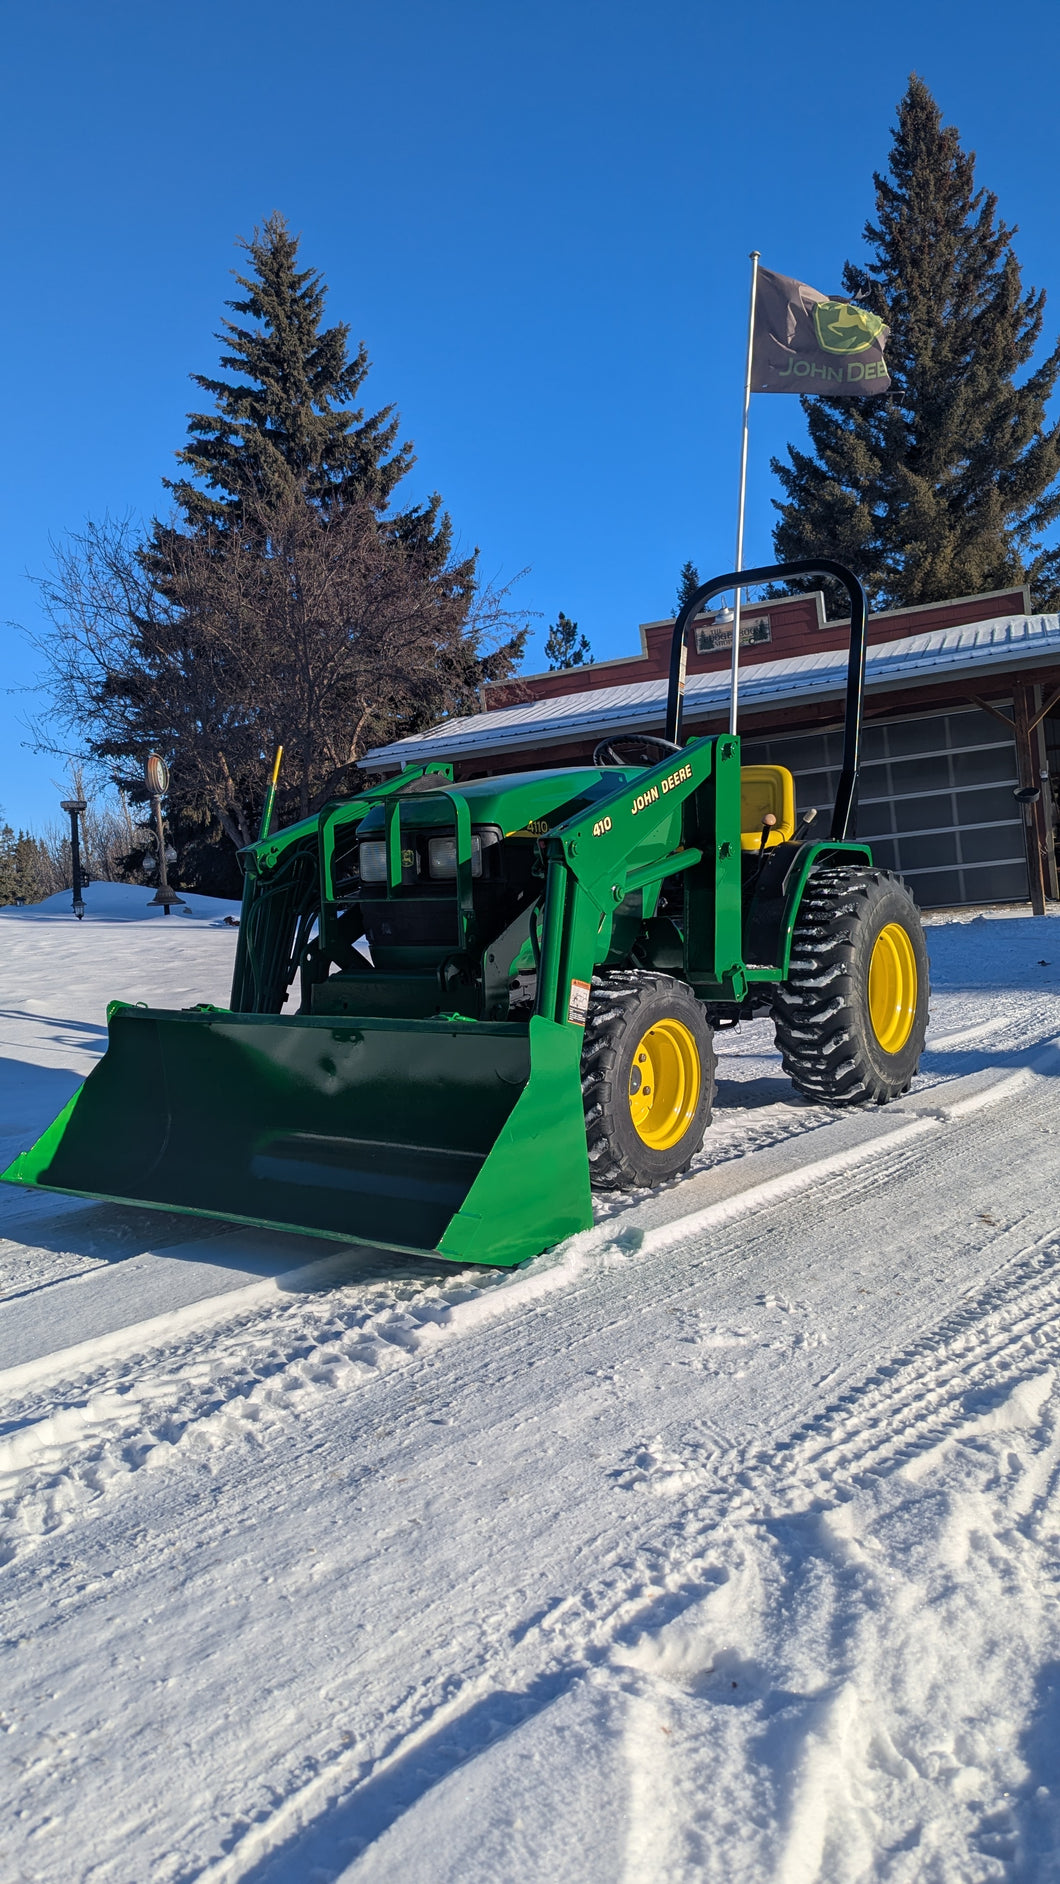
x,y
1008,641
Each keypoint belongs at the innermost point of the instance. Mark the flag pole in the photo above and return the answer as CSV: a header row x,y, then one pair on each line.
x,y
734,684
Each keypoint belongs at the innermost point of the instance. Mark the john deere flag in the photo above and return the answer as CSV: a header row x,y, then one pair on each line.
x,y
805,342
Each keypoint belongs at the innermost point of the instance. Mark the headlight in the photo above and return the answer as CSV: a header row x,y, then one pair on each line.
x,y
372,862
441,856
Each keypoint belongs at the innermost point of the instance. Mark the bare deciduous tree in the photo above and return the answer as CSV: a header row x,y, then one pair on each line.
x,y
315,631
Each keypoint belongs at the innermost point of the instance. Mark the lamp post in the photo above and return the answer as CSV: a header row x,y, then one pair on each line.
x,y
156,778
75,806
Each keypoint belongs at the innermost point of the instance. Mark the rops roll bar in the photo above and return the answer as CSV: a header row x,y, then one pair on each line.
x,y
843,812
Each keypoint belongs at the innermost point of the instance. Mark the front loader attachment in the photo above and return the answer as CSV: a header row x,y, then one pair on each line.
x,y
457,1138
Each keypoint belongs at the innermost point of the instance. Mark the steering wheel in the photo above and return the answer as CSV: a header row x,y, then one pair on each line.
x,y
607,751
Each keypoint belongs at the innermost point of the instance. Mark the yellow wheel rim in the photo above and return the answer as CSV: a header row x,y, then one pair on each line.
x,y
664,1084
892,988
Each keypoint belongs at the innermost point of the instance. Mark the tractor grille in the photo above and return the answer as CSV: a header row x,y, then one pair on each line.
x,y
409,922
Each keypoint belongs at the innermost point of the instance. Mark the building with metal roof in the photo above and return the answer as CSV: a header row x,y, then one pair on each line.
x,y
962,710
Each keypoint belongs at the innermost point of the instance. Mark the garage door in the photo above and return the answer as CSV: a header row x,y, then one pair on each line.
x,y
935,800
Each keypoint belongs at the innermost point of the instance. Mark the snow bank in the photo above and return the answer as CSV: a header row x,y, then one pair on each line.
x,y
121,902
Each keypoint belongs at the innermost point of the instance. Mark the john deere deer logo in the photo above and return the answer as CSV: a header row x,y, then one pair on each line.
x,y
841,328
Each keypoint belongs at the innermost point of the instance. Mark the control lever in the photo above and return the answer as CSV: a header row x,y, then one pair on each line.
x,y
768,823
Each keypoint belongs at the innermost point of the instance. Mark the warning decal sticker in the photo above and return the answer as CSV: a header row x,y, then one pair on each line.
x,y
578,1006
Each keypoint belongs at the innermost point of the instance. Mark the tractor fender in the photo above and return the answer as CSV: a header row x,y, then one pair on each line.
x,y
773,906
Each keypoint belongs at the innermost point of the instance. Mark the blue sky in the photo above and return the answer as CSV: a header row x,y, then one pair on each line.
x,y
538,219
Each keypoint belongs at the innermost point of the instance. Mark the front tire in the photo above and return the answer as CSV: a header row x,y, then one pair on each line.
x,y
852,1015
647,1079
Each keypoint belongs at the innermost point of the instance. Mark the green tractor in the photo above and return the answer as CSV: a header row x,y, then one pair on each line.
x,y
508,995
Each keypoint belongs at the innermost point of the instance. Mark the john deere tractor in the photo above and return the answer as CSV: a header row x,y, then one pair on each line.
x,y
507,995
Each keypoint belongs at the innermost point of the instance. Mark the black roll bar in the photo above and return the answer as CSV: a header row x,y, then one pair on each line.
x,y
844,809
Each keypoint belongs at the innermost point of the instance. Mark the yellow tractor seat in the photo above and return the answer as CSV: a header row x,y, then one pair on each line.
x,y
764,789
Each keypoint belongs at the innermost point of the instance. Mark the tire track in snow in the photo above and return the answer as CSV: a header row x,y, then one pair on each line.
x,y
670,1640
226,1384
1009,1332
959,1381
1004,1336
136,1414
666,1633
655,1576
942,1388
670,1570
141,1410
234,1366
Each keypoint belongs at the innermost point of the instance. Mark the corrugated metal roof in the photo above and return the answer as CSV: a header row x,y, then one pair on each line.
x,y
1008,641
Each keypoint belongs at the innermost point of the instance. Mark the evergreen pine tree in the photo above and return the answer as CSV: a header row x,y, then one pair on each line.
x,y
944,486
288,600
565,647
24,869
688,583
33,869
287,428
290,419
8,874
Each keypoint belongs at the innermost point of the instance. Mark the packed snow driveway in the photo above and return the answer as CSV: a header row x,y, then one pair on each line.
x,y
722,1542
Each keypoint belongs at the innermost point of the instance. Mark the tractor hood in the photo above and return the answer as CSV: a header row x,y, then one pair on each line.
x,y
520,804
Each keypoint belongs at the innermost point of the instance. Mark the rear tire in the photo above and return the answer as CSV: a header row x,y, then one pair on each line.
x,y
852,1014
647,1079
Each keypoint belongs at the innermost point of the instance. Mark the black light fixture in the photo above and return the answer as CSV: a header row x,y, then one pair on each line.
x,y
75,807
156,778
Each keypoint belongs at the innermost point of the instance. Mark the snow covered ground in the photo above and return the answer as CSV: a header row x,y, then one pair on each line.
x,y
722,1543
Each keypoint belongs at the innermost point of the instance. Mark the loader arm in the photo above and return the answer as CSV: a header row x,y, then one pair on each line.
x,y
288,885
680,818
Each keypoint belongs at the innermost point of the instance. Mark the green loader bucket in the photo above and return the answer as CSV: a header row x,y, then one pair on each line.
x,y
460,1139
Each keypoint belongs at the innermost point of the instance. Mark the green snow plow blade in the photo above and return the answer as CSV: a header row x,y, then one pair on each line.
x,y
454,1138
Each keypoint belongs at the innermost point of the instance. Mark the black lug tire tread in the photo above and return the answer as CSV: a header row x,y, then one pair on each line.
x,y
821,1013
620,1005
